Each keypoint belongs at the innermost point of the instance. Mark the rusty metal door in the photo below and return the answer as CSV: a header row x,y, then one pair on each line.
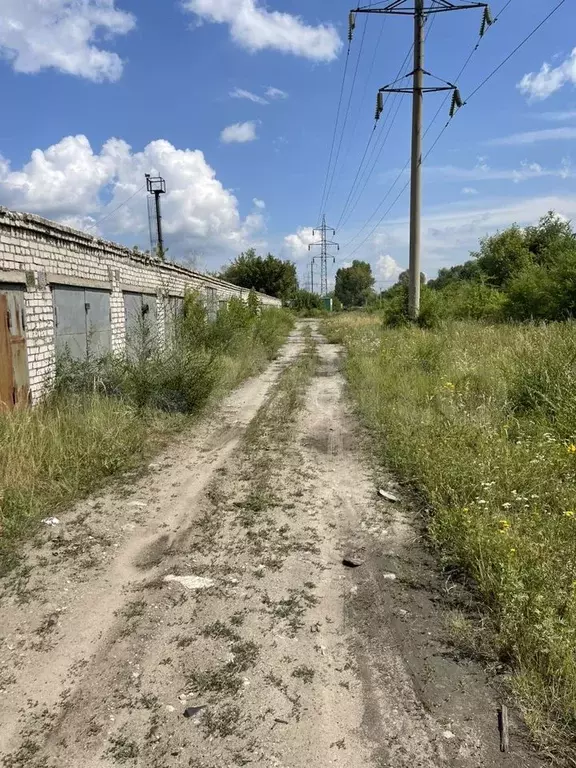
x,y
14,389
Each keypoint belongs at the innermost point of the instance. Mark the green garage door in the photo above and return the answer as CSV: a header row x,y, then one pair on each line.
x,y
81,321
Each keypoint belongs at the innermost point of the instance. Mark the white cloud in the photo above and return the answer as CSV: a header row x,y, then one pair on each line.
x,y
469,191
275,93
540,85
240,93
558,117
256,28
239,132
61,35
450,232
387,269
531,137
295,245
72,183
483,172
259,203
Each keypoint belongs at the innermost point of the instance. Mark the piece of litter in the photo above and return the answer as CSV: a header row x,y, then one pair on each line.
x,y
387,495
191,582
352,562
51,521
137,504
402,612
193,711
448,735
389,576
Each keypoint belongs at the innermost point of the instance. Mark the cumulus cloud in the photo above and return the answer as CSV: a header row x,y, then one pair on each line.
x,y
239,132
537,86
61,35
275,93
71,182
240,93
386,269
532,137
256,28
295,245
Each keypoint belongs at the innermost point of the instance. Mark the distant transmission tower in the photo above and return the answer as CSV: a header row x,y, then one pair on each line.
x,y
156,186
324,244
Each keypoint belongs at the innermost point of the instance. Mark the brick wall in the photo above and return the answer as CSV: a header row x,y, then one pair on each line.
x,y
39,253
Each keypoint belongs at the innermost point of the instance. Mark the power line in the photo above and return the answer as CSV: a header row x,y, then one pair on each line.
x,y
96,223
343,219
507,59
347,59
335,166
437,139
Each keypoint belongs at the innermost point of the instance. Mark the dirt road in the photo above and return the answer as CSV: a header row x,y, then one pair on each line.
x,y
214,585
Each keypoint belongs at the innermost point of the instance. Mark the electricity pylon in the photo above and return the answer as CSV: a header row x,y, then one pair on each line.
x,y
324,245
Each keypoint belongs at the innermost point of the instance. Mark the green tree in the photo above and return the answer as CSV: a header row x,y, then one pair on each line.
x,y
354,284
267,274
305,300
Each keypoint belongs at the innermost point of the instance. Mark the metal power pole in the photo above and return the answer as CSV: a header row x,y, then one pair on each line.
x,y
311,274
324,245
156,186
420,11
416,162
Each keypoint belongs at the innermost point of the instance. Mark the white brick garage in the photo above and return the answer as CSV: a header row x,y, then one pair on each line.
x,y
71,279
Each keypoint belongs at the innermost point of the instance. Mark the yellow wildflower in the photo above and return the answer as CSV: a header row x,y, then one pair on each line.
x,y
449,385
503,525
571,448
569,513
512,550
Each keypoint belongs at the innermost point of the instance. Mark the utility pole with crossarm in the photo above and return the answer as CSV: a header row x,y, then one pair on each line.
x,y
420,12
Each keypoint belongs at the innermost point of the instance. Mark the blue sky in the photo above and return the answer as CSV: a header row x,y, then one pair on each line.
x,y
234,102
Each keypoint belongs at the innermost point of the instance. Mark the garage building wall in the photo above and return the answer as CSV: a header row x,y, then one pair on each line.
x,y
40,254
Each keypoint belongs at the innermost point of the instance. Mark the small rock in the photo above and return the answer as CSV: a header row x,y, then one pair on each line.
x,y
354,590
402,612
193,711
191,582
448,735
389,576
170,708
137,504
387,495
51,521
352,562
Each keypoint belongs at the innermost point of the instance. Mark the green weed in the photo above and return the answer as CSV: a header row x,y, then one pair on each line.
x,y
482,421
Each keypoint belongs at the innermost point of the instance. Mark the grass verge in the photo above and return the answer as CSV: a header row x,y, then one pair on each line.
x,y
482,421
107,416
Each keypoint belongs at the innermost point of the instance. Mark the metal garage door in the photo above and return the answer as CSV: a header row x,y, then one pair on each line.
x,y
141,317
82,321
173,310
13,359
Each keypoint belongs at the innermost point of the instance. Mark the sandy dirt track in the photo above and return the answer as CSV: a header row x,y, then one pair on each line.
x,y
283,657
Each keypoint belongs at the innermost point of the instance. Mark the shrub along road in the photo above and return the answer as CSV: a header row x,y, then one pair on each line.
x,y
279,654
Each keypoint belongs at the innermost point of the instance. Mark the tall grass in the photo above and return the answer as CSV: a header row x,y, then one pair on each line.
x,y
482,420
107,414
